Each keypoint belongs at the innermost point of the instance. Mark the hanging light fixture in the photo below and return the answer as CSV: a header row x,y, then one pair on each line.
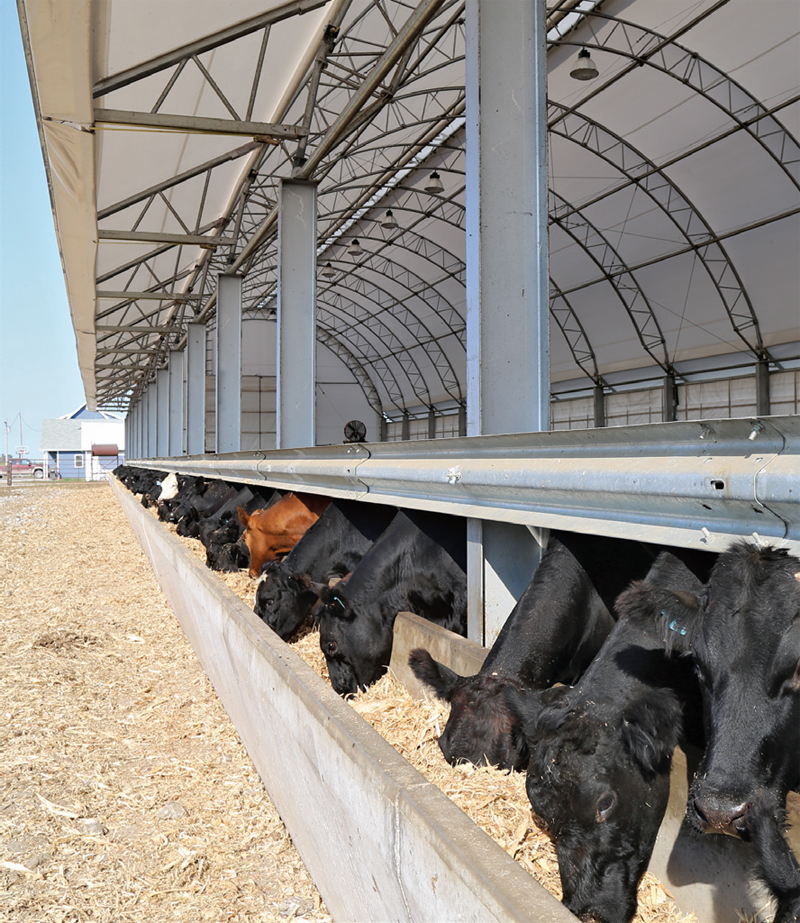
x,y
328,271
389,221
584,67
355,248
434,184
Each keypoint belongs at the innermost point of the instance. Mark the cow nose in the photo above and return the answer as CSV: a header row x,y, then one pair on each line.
x,y
721,818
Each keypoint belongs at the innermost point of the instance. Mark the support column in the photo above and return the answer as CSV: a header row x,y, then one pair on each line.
x,y
228,409
508,368
431,424
763,399
130,433
142,423
162,427
599,406
296,360
152,419
176,403
195,374
135,449
670,409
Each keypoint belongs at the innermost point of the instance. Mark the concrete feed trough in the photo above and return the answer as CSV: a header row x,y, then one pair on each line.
x,y
380,841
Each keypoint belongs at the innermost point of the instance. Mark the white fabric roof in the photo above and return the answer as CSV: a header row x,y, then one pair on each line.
x,y
675,180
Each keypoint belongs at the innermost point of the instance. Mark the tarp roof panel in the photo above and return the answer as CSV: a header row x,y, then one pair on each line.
x,y
675,174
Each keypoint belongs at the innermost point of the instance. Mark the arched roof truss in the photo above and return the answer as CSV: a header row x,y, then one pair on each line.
x,y
678,159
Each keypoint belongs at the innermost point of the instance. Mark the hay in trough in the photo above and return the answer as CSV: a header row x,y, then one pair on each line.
x,y
495,799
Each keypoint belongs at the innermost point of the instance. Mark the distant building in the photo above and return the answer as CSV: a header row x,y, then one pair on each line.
x,y
83,444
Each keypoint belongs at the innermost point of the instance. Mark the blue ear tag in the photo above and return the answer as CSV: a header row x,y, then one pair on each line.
x,y
673,625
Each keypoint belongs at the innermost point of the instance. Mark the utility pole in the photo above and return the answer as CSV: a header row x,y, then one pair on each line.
x,y
8,459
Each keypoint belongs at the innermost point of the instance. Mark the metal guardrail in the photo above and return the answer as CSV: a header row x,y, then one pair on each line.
x,y
692,484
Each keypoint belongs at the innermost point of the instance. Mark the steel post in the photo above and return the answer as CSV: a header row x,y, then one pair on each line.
x,y
162,425
152,419
176,402
508,368
297,240
228,404
195,374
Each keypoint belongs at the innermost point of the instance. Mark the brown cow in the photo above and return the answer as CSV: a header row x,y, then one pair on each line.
x,y
273,532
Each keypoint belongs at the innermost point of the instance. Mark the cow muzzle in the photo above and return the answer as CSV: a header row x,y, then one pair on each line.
x,y
712,815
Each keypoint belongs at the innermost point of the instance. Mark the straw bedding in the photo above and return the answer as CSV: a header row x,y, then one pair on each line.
x,y
125,793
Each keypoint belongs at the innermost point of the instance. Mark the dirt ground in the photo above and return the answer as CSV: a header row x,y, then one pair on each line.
x,y
125,793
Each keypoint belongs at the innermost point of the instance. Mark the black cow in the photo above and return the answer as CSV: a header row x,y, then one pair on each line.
x,y
551,636
419,565
601,753
138,480
332,547
744,634
197,499
144,482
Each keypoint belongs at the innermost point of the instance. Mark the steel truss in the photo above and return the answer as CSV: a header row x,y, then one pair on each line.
x,y
368,121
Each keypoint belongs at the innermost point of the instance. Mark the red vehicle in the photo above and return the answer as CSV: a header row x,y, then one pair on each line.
x,y
23,466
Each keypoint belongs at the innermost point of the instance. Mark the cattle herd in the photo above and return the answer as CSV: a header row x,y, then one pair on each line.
x,y
616,652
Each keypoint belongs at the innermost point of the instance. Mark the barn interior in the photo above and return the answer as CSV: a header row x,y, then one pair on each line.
x,y
534,264
454,242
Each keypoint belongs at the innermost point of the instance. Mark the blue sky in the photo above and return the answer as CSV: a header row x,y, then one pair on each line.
x,y
39,377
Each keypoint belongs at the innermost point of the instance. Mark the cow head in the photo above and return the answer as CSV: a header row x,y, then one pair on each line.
x,y
252,539
284,600
228,557
744,633
356,642
480,728
746,645
592,771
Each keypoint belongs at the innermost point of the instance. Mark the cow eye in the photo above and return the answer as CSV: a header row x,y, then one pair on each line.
x,y
331,647
605,805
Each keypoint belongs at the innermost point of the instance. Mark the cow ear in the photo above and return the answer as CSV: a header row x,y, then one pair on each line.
x,y
784,673
305,586
440,678
326,594
525,707
651,726
333,599
244,516
676,612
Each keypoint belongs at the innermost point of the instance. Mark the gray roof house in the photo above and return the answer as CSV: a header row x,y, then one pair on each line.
x,y
83,444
